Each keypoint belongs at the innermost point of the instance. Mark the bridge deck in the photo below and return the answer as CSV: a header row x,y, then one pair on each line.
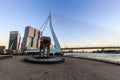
x,y
91,48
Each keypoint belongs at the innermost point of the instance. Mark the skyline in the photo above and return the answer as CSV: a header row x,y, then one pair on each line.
x,y
80,16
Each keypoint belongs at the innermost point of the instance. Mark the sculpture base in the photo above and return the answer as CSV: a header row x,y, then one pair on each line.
x,y
40,60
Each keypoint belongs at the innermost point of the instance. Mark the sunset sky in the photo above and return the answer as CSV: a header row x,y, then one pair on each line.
x,y
76,22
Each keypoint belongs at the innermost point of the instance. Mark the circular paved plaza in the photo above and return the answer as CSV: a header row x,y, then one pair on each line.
x,y
72,69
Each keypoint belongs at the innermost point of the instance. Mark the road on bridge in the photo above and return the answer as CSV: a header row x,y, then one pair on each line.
x,y
72,69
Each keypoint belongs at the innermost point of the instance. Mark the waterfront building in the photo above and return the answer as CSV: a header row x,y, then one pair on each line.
x,y
14,41
31,39
2,50
2,47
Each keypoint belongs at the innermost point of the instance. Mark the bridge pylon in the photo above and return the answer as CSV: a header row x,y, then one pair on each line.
x,y
57,45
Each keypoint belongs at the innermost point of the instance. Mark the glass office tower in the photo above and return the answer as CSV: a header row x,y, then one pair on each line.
x,y
14,40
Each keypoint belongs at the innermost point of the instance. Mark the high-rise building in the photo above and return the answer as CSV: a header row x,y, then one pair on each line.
x,y
31,39
14,40
2,49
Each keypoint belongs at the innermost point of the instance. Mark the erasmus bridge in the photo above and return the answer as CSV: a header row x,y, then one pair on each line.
x,y
79,44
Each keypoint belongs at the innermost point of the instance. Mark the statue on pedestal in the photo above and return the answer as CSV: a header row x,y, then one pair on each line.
x,y
45,43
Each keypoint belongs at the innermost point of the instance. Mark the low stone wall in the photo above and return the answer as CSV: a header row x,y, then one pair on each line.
x,y
5,57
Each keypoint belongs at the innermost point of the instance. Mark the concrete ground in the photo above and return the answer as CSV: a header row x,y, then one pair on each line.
x,y
72,69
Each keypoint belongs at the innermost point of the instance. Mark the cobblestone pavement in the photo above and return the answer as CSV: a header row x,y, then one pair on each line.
x,y
72,69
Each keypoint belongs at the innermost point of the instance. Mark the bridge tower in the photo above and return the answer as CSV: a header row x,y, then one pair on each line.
x,y
57,45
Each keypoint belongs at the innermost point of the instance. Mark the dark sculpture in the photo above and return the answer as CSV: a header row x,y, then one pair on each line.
x,y
45,43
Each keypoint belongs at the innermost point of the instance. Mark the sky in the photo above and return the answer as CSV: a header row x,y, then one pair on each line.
x,y
76,22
